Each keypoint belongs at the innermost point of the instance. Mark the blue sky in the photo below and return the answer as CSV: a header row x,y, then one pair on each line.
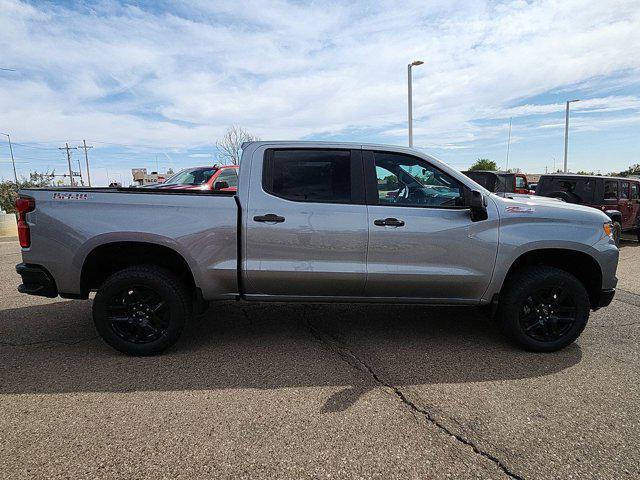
x,y
156,83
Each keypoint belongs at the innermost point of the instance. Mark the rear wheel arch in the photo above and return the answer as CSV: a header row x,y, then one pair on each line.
x,y
108,258
579,264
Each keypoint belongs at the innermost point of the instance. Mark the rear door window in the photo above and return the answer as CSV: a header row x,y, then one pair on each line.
x,y
310,175
611,190
635,191
624,190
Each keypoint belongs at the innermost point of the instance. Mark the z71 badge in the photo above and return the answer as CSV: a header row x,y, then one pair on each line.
x,y
519,209
70,196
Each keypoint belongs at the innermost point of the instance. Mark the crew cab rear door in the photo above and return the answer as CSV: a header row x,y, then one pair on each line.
x,y
635,202
422,242
306,223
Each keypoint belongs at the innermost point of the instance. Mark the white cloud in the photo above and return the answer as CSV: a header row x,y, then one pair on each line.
x,y
287,70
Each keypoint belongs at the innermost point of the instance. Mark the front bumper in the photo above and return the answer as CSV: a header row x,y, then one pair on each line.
x,y
36,280
606,297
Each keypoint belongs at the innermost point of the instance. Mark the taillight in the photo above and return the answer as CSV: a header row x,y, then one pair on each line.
x,y
24,205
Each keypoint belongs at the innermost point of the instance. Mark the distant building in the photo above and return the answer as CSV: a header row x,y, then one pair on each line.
x,y
142,178
534,177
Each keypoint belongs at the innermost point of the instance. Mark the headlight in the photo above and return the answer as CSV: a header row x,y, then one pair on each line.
x,y
608,229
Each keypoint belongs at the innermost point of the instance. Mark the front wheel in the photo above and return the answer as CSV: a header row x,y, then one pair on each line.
x,y
141,310
544,309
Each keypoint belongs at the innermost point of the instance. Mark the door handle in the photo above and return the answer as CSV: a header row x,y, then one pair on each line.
x,y
268,218
389,222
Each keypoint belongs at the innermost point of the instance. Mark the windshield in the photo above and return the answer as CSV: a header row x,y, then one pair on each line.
x,y
192,176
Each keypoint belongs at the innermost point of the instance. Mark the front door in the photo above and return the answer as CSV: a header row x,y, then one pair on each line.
x,y
306,224
422,242
626,205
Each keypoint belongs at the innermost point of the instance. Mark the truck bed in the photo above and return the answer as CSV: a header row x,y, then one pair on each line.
x,y
201,226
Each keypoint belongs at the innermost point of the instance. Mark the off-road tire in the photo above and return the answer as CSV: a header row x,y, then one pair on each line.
x,y
168,288
517,294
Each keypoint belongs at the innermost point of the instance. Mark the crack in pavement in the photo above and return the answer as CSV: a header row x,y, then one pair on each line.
x,y
615,325
346,354
628,297
43,342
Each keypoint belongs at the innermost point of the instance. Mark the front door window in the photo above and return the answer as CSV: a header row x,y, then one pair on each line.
x,y
403,180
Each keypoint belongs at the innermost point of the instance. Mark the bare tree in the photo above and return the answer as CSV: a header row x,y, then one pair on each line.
x,y
229,145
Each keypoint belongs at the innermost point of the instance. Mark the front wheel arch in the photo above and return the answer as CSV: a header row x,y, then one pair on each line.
x,y
579,264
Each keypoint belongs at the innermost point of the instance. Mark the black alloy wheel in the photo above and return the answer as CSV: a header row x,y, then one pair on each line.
x,y
138,314
548,314
543,309
141,310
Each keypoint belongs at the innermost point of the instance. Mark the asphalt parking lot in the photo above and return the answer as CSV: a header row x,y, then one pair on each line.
x,y
341,391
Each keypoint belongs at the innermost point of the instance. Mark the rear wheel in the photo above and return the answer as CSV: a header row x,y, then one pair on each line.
x,y
544,309
141,310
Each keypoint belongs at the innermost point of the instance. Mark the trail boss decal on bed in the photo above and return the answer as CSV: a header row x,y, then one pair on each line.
x,y
519,209
70,196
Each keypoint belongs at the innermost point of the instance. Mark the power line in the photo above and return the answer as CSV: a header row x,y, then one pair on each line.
x,y
33,146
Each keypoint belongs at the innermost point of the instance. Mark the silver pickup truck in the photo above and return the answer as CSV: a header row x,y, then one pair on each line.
x,y
318,222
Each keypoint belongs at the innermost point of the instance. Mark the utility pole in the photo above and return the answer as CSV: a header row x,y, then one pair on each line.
x,y
86,147
13,162
508,146
68,149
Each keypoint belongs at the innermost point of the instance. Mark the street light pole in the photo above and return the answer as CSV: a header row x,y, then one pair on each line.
x,y
508,146
410,99
566,132
13,162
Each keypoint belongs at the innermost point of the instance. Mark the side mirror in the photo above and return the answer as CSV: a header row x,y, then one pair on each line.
x,y
220,185
478,206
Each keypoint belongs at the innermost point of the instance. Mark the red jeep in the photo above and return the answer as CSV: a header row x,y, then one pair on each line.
x,y
222,178
617,197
